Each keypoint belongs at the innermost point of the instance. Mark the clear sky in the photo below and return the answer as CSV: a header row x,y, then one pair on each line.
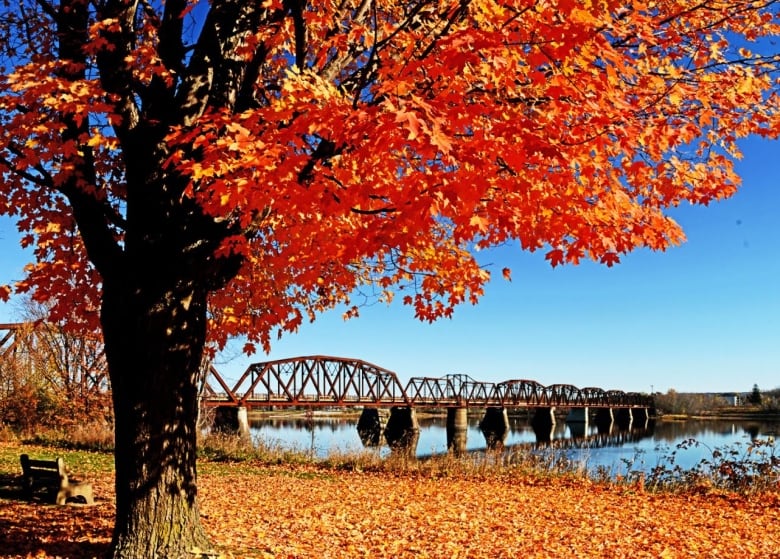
x,y
701,317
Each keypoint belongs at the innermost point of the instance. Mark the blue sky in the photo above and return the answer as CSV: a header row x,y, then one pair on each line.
x,y
701,317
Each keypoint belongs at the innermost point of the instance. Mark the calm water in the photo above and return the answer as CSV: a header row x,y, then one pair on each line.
x,y
639,449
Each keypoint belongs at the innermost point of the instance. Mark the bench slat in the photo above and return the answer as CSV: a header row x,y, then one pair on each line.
x,y
44,464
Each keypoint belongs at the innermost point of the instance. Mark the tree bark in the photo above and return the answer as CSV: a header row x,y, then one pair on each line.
x,y
154,340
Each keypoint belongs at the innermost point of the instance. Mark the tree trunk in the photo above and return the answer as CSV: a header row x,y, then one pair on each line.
x,y
154,340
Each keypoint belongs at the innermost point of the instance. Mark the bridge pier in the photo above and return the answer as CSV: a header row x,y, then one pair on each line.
x,y
371,425
402,430
495,427
543,423
457,430
232,419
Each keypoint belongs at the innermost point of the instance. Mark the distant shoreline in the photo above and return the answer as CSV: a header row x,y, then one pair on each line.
x,y
757,415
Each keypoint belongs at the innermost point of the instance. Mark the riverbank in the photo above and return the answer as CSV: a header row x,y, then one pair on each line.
x,y
254,510
736,413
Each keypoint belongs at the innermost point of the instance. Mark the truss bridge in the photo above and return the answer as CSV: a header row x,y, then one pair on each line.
x,y
388,406
322,381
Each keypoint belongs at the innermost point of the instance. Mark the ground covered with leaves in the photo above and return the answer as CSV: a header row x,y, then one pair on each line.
x,y
285,511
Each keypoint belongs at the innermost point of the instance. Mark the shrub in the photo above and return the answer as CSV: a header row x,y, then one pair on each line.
x,y
745,468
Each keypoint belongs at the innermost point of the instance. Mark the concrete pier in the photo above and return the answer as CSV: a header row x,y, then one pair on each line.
x,y
495,427
371,425
457,430
402,430
232,419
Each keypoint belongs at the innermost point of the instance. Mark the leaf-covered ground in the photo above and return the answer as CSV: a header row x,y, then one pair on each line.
x,y
302,511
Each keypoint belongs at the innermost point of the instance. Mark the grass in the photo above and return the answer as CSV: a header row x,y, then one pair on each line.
x,y
80,462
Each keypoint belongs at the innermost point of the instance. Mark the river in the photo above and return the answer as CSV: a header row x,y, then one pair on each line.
x,y
669,443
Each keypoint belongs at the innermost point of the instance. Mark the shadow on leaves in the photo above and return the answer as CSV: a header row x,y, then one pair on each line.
x,y
37,528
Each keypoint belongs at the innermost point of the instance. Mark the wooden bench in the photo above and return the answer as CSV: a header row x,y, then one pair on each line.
x,y
52,476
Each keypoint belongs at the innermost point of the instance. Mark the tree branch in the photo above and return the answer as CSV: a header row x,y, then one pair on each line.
x,y
44,179
297,8
104,252
115,75
217,75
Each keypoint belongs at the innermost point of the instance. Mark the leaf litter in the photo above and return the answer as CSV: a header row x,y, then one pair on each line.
x,y
293,511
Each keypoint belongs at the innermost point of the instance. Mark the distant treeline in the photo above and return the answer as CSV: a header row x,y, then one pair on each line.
x,y
696,403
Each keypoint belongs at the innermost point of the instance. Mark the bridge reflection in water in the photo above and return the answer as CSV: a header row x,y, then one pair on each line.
x,y
583,429
389,408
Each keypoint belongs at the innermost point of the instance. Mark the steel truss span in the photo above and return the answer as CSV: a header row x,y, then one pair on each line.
x,y
320,381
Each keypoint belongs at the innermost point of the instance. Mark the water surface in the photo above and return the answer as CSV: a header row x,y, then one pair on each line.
x,y
668,443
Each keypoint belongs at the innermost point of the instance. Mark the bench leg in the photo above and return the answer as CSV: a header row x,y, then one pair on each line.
x,y
28,491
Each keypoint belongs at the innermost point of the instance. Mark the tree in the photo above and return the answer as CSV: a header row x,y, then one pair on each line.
x,y
755,396
187,172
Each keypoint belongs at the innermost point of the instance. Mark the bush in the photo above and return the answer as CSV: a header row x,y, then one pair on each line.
x,y
95,436
749,468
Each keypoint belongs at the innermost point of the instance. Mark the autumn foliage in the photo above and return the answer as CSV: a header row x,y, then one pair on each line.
x,y
50,378
187,171
353,143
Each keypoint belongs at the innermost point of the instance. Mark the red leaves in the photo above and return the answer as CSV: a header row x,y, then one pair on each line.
x,y
403,139
610,259
307,513
409,121
555,256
